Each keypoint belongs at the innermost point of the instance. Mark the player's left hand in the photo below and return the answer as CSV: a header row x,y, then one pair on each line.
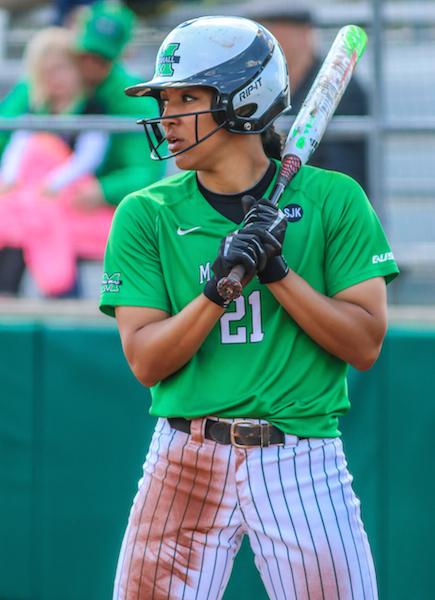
x,y
240,248
269,223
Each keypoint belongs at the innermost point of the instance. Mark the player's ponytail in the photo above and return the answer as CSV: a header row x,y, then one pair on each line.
x,y
272,143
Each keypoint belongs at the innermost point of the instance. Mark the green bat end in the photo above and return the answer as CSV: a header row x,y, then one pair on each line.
x,y
355,39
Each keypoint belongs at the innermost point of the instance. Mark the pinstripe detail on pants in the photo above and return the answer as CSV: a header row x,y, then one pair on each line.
x,y
293,532
203,505
276,520
336,520
304,504
151,461
197,500
323,522
359,537
212,525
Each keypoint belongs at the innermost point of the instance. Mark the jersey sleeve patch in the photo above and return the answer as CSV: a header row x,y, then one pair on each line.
x,y
111,284
132,268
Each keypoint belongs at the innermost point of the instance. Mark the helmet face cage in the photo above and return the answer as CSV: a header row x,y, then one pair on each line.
x,y
156,136
238,58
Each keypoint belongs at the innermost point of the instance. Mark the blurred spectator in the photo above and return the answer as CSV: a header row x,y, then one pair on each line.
x,y
295,32
56,88
41,174
103,30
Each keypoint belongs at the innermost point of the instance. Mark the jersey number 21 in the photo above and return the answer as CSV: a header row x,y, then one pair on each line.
x,y
239,334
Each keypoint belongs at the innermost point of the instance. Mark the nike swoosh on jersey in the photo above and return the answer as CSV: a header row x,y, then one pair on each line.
x,y
185,231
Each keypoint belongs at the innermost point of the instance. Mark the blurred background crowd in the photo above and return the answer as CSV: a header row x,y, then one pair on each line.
x,y
65,62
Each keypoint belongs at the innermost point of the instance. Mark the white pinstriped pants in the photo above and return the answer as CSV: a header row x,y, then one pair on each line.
x,y
197,499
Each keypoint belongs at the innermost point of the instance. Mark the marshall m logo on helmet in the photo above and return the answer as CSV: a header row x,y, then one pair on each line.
x,y
166,59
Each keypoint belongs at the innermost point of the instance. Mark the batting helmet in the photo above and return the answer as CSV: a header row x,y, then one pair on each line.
x,y
239,59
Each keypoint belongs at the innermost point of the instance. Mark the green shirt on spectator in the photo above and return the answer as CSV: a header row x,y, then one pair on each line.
x,y
127,166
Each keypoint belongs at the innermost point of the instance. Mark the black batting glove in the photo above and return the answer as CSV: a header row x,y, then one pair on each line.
x,y
267,221
210,290
240,248
276,269
270,224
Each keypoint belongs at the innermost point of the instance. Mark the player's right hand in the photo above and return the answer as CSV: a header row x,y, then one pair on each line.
x,y
267,221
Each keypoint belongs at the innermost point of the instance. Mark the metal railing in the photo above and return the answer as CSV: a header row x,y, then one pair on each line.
x,y
343,127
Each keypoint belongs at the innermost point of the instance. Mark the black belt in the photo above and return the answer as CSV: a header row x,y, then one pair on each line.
x,y
241,434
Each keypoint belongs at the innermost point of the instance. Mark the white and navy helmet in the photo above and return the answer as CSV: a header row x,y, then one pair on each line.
x,y
236,57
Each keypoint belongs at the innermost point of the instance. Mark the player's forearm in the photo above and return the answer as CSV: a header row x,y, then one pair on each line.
x,y
161,348
342,328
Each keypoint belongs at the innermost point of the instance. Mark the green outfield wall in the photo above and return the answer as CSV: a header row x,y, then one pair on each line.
x,y
74,429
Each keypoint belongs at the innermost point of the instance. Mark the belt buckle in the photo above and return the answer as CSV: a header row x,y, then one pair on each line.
x,y
233,441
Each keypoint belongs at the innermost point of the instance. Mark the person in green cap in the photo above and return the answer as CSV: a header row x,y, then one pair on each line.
x,y
102,31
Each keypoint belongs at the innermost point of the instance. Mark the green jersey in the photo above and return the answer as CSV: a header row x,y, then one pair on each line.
x,y
256,362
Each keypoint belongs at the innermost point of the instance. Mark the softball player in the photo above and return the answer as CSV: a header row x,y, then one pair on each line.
x,y
247,394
